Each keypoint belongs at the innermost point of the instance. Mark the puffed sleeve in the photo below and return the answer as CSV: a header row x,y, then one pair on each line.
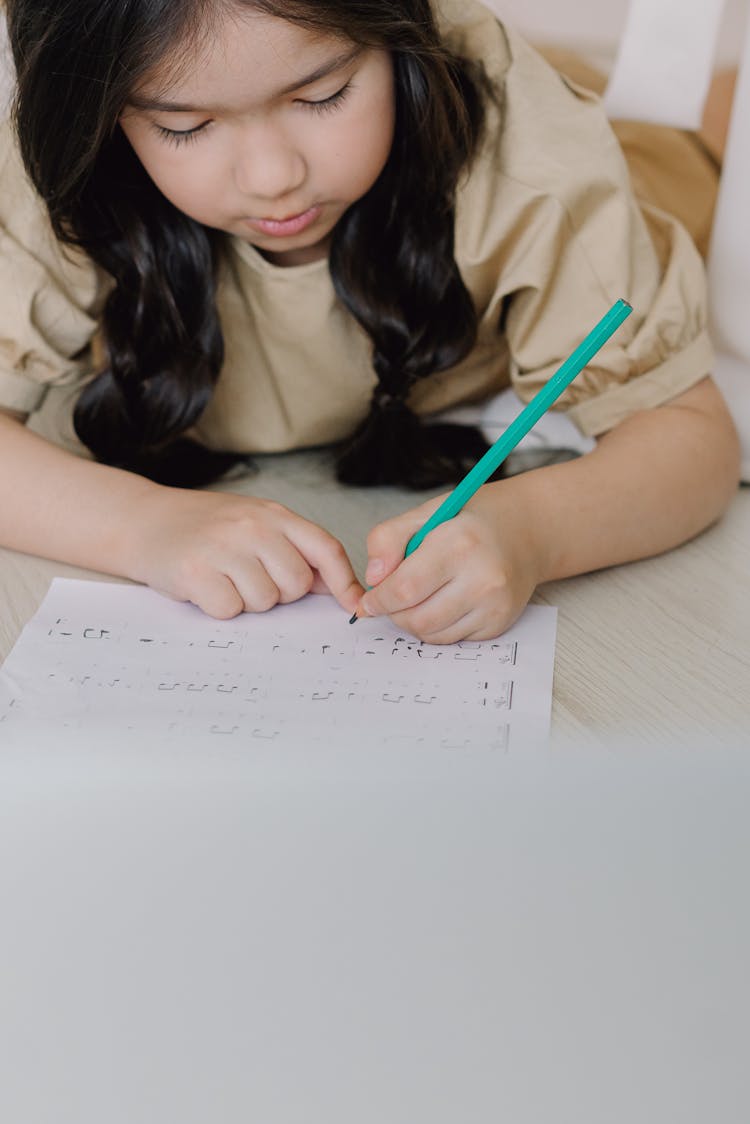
x,y
50,296
550,235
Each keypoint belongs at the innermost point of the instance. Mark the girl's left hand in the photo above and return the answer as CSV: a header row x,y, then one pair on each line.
x,y
471,577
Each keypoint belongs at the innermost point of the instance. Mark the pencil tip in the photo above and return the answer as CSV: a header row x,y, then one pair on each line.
x,y
353,618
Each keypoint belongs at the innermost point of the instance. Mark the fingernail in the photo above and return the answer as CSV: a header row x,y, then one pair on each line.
x,y
375,568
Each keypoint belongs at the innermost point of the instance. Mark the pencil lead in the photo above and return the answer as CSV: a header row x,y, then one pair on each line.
x,y
353,618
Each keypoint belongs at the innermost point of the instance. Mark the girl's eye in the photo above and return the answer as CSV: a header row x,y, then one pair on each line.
x,y
328,104
178,137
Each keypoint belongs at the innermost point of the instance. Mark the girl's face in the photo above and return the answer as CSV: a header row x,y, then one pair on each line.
x,y
270,132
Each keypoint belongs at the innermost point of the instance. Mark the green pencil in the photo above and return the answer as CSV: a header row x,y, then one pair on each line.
x,y
521,425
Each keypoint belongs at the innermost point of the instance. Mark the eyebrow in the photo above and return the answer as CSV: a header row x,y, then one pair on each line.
x,y
166,106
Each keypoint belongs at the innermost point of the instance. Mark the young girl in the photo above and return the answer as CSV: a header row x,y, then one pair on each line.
x,y
246,226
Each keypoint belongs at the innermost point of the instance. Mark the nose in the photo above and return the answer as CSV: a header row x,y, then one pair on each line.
x,y
268,166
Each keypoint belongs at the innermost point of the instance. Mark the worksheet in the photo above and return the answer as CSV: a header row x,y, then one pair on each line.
x,y
125,660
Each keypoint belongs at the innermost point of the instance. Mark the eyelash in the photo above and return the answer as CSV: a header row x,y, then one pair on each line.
x,y
187,136
327,105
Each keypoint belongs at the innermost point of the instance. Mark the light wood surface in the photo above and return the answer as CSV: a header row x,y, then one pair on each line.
x,y
657,651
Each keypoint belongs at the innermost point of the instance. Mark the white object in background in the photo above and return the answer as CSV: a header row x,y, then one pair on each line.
x,y
729,265
7,77
664,65
553,431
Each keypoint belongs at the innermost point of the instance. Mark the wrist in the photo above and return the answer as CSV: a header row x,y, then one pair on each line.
x,y
142,507
522,520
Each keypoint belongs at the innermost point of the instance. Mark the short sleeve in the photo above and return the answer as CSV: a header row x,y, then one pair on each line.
x,y
551,235
50,296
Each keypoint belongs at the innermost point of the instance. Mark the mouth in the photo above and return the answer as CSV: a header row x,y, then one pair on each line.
x,y
282,228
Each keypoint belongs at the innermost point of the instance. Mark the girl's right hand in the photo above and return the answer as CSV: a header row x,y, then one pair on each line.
x,y
228,553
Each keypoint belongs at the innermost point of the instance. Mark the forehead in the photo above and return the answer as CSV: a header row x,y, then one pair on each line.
x,y
241,47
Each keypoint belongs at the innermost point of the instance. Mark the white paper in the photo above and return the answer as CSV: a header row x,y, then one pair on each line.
x,y
663,69
124,660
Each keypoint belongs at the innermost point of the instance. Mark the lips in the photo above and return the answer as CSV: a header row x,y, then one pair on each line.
x,y
282,228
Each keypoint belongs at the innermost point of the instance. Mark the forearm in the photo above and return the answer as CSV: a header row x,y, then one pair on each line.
x,y
653,482
225,553
57,505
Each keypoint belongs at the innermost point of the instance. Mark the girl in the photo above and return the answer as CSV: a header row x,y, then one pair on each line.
x,y
252,225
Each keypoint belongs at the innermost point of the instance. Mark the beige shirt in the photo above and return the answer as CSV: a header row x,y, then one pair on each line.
x,y
548,236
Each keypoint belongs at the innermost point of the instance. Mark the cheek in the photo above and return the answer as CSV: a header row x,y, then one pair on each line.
x,y
189,185
185,177
365,144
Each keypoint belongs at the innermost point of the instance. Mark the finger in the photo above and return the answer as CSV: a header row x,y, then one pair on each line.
x,y
460,629
288,570
319,586
479,623
254,585
460,612
490,626
437,616
387,541
325,554
216,595
415,580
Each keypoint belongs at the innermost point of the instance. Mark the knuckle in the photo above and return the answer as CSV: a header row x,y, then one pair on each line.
x,y
466,541
376,539
274,507
189,573
263,600
404,590
497,587
431,637
222,603
417,630
296,586
490,631
430,623
306,582
335,549
224,609
426,631
258,533
262,523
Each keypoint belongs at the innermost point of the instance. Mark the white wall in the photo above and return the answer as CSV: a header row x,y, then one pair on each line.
x,y
596,25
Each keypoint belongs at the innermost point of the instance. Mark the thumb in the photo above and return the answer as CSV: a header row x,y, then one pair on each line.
x,y
387,541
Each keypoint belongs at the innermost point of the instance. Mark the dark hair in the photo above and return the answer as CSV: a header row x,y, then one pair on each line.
x,y
392,255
